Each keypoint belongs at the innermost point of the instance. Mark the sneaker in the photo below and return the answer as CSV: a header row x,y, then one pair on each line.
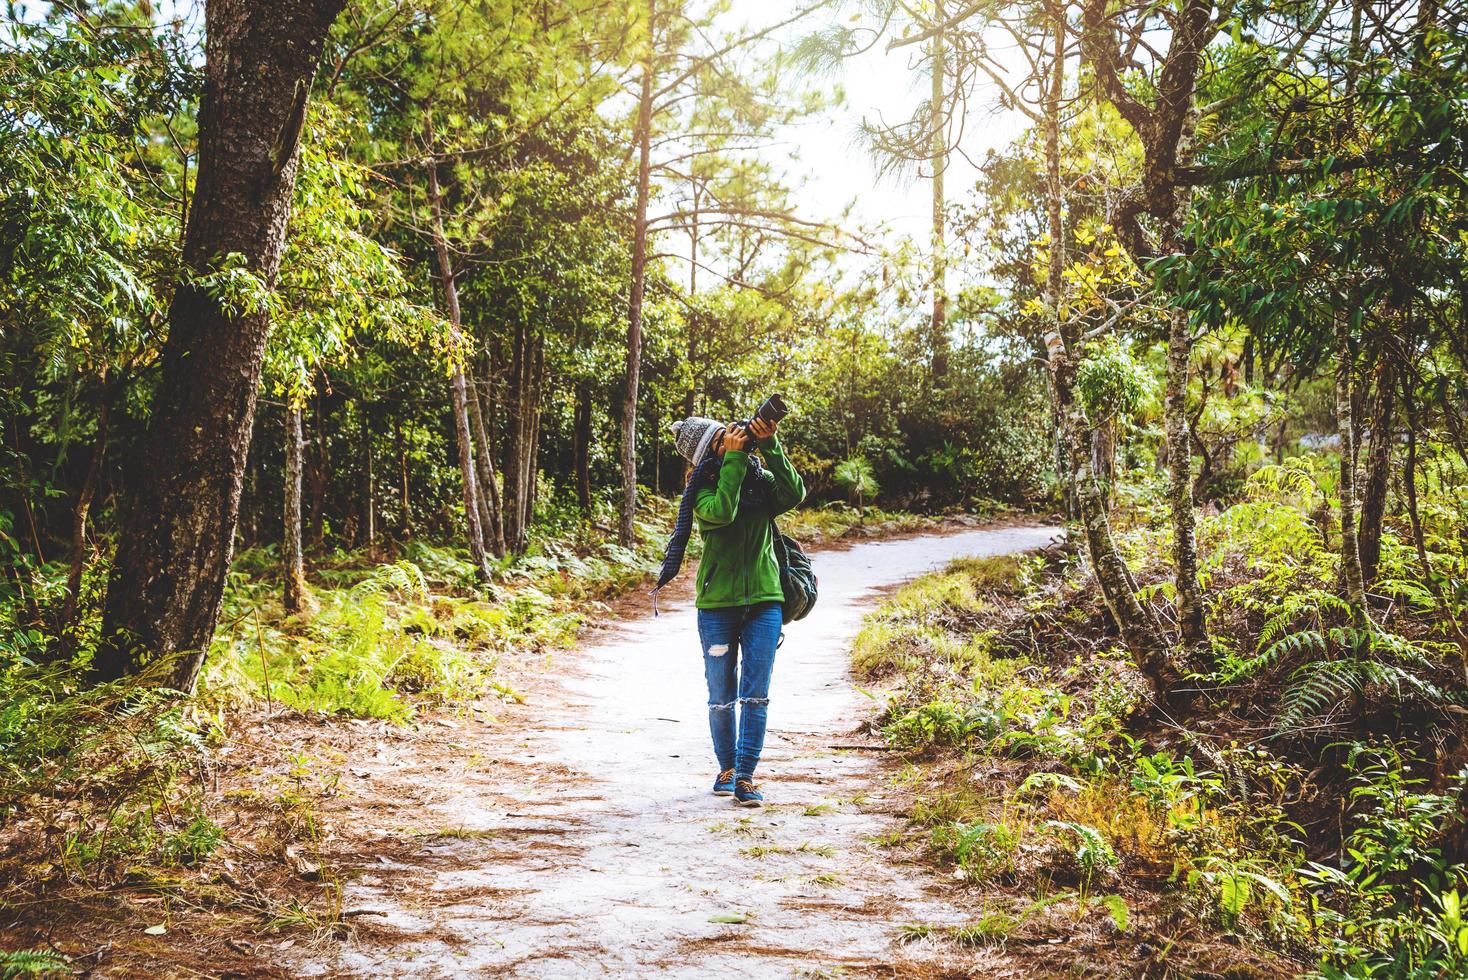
x,y
745,794
724,783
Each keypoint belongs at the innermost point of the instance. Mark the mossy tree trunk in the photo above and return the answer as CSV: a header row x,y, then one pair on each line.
x,y
181,506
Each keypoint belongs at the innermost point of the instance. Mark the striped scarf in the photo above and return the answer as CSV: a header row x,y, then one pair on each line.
x,y
754,492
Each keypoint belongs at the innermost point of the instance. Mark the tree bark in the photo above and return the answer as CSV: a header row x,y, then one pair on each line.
x,y
1409,487
691,396
457,387
581,446
1139,631
1351,576
176,533
532,442
1180,483
488,487
1377,468
369,483
319,478
405,501
294,597
625,528
938,327
483,393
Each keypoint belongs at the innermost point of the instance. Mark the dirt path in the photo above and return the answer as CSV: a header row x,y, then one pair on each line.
x,y
579,838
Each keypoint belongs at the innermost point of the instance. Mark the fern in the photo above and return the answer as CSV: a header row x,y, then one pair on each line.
x,y
1321,685
1093,852
31,963
1047,781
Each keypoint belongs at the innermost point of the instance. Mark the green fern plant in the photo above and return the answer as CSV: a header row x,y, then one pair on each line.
x,y
32,963
1318,687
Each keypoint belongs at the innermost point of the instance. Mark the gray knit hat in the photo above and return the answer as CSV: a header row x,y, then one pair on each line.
x,y
694,435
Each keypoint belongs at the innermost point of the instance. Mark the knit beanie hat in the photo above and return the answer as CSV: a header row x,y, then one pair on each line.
x,y
694,435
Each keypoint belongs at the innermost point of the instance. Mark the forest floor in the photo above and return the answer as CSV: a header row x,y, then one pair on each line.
x,y
574,833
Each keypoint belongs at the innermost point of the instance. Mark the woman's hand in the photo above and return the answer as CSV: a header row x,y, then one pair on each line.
x,y
736,437
762,429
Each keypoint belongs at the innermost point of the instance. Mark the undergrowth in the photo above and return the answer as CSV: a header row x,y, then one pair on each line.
x,y
1310,805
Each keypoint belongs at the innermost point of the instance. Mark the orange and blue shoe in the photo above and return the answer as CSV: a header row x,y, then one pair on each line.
x,y
724,783
745,793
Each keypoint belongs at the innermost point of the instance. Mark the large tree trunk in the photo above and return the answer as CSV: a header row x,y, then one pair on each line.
x,y
294,597
1377,468
177,530
458,389
1180,482
1355,582
625,529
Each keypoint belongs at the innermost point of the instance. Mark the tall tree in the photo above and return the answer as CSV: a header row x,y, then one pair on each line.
x,y
1164,127
642,139
182,503
938,161
677,62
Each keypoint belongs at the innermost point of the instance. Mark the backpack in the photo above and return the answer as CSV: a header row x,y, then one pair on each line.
x,y
797,579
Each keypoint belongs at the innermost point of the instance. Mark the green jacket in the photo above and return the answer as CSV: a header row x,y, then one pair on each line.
x,y
738,567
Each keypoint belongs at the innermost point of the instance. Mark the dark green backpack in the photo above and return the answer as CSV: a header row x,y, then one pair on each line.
x,y
797,579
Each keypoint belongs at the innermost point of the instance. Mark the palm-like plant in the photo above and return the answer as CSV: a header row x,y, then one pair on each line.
x,y
854,477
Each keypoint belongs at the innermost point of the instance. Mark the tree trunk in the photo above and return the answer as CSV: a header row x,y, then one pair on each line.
x,y
1354,581
532,442
320,478
1409,486
294,597
1180,483
1377,468
483,394
938,328
457,387
462,441
1139,631
176,533
405,501
625,529
521,414
489,496
581,446
79,529
690,397
514,441
369,496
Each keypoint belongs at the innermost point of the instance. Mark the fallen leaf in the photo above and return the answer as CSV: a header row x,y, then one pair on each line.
x,y
157,930
731,918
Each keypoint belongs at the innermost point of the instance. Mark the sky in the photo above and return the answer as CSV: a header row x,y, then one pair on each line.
x,y
826,158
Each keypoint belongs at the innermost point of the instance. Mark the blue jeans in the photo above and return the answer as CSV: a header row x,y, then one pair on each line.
x,y
738,656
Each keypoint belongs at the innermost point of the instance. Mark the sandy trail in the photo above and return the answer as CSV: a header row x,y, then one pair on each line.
x,y
583,841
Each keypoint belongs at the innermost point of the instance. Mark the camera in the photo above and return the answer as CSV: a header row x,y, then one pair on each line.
x,y
772,410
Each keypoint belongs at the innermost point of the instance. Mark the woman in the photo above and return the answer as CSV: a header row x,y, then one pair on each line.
x,y
738,587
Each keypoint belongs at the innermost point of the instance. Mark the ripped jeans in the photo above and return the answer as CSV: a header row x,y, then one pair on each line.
x,y
738,656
